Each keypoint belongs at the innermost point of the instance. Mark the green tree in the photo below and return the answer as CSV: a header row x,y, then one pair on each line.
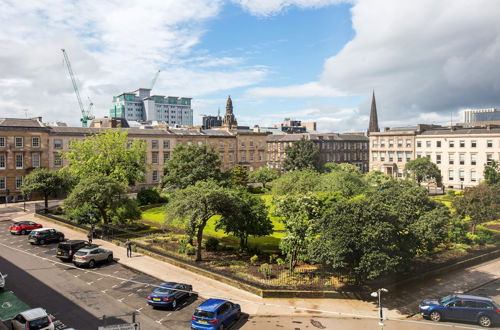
x,y
248,216
432,228
110,154
195,205
296,182
238,176
377,179
491,172
344,167
263,175
44,182
302,154
190,164
348,183
422,169
101,193
479,203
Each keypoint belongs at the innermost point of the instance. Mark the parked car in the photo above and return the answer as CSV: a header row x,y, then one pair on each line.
x,y
23,227
169,294
66,250
92,255
215,314
462,308
36,318
2,280
45,235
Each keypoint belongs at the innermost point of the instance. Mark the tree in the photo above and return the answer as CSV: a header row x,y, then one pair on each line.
x,y
102,193
190,164
248,216
302,154
480,204
296,182
238,176
432,228
348,183
491,172
109,154
344,167
44,182
377,179
422,169
263,175
195,205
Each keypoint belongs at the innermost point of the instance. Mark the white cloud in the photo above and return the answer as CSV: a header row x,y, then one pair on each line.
x,y
312,89
273,7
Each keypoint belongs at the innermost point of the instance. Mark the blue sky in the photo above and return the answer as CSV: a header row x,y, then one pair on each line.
x,y
312,60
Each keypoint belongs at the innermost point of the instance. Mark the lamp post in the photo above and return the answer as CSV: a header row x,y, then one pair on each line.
x,y
378,294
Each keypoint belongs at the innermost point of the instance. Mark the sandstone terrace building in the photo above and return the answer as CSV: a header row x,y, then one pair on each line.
x,y
333,147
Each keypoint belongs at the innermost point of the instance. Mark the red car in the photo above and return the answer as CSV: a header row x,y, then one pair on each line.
x,y
23,227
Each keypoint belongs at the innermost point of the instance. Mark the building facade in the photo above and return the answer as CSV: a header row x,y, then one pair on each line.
x,y
23,147
141,106
333,147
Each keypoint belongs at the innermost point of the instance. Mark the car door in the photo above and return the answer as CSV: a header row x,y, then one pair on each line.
x,y
30,225
222,314
51,235
455,310
19,322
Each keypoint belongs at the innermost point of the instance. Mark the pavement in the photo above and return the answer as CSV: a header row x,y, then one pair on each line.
x,y
462,280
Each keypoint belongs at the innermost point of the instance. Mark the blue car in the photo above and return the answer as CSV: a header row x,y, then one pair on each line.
x,y
216,314
170,294
462,308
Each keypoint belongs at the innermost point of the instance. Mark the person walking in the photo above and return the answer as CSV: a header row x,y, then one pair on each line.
x,y
128,244
90,236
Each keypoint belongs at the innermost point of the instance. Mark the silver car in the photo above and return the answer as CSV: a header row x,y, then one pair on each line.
x,y
91,256
2,280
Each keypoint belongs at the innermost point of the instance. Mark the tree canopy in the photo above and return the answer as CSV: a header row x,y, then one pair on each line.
x,y
44,182
238,175
109,154
302,154
479,204
263,175
190,164
423,170
491,172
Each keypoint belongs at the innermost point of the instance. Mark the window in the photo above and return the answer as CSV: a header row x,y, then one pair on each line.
x,y
473,143
166,144
243,143
461,159
391,143
154,158
154,144
473,176
451,159
451,144
438,159
251,156
419,156
35,142
428,144
461,143
461,175
438,144
251,143
391,156
408,143
19,142
35,160
382,143
2,141
19,182
450,175
400,156
489,143
400,172
489,158
19,161
57,159
400,143
221,145
155,175
261,155
374,143
408,156
419,144
374,156
3,161
382,156
231,157
473,159
166,156
58,144
243,156
2,183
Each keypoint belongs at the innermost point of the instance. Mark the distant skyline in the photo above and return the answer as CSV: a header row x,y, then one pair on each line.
x,y
311,60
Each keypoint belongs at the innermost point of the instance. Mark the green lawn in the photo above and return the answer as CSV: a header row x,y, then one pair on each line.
x,y
266,243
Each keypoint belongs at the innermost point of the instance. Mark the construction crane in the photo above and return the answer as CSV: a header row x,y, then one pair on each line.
x,y
86,114
153,82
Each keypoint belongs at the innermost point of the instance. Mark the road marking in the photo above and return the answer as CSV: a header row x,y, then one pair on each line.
x,y
90,283
121,300
130,294
116,272
114,286
159,321
169,314
100,278
139,310
104,291
124,281
139,290
53,249
77,275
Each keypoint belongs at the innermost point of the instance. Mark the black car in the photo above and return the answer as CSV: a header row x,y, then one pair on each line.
x,y
169,294
66,250
45,235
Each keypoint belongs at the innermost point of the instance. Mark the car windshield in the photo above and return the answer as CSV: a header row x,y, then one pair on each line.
x,y
64,247
39,323
164,290
202,313
34,233
80,253
444,300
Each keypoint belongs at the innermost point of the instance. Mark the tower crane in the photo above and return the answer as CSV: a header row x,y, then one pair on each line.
x,y
153,82
86,113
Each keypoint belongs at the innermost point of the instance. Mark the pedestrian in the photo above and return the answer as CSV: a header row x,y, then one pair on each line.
x,y
90,236
128,244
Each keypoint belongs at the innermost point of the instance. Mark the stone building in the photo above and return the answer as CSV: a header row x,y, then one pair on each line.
x,y
23,147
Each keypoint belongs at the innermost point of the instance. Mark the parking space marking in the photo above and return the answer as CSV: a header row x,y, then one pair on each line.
x,y
90,283
100,278
121,300
131,294
116,272
139,290
139,310
123,281
104,291
159,321
114,286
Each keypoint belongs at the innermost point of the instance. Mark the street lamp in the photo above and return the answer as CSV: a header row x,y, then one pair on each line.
x,y
378,294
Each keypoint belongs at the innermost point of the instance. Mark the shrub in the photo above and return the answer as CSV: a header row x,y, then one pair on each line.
x,y
254,250
280,261
272,258
148,196
212,244
485,237
458,230
190,250
266,271
254,259
450,193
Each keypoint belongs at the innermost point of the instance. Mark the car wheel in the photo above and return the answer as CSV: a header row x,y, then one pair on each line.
x,y
91,264
41,242
484,321
174,304
435,316
23,232
110,258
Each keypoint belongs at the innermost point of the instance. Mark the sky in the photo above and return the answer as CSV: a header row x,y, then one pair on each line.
x,y
310,60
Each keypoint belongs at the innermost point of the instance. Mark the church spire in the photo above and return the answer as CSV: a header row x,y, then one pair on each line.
x,y
373,126
229,119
